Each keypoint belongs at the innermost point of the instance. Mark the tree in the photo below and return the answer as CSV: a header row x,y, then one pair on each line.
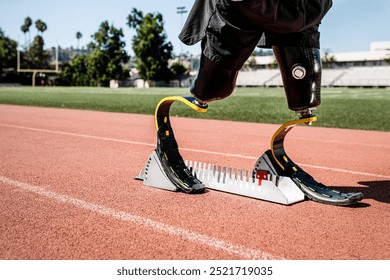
x,y
26,29
328,60
7,52
108,55
105,62
150,47
78,36
41,26
38,57
76,73
34,56
178,71
251,63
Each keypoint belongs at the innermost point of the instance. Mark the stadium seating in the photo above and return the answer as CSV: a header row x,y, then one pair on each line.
x,y
256,78
374,76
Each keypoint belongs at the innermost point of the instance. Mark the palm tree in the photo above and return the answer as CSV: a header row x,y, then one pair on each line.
x,y
26,28
78,36
41,26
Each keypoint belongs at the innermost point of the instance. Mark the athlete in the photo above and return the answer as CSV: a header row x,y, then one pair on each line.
x,y
229,31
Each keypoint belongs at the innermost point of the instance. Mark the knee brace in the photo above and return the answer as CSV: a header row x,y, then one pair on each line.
x,y
300,68
213,82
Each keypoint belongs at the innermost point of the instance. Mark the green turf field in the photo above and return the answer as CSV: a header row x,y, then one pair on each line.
x,y
367,109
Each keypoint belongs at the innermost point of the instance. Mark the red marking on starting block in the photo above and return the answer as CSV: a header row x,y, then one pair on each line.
x,y
261,175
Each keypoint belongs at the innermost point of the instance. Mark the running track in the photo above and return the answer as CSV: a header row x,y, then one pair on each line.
x,y
67,191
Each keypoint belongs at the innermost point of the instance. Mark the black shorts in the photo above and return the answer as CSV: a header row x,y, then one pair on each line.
x,y
231,29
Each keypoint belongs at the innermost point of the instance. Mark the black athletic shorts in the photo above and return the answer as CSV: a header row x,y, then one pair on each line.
x,y
231,29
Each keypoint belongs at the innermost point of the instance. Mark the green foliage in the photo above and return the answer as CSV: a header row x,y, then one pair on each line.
x,y
38,57
7,52
79,35
41,26
104,63
34,56
108,54
77,72
26,28
150,46
178,69
250,64
328,61
27,24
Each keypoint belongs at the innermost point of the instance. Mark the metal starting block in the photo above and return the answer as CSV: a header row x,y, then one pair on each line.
x,y
263,184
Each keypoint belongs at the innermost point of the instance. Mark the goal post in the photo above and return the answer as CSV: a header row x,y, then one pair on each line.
x,y
36,71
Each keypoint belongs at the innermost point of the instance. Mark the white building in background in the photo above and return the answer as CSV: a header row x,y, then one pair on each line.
x,y
376,56
380,46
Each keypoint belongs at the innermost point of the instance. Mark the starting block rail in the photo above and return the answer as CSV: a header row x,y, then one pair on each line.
x,y
273,188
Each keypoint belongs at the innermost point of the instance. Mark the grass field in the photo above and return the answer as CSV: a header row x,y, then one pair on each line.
x,y
367,109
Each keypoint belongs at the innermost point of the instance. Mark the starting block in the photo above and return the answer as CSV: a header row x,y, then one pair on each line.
x,y
269,187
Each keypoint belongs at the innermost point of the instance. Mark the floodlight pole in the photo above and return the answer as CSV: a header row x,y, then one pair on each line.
x,y
181,11
18,61
57,59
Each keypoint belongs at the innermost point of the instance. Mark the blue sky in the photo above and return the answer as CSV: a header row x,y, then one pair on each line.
x,y
349,26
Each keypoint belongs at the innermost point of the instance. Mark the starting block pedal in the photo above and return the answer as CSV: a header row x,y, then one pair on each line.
x,y
153,174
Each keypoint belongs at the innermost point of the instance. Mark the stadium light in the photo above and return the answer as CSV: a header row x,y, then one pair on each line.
x,y
181,11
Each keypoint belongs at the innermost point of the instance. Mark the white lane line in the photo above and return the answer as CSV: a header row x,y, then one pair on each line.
x,y
78,135
192,150
178,232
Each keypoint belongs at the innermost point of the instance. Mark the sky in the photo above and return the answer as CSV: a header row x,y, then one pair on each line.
x,y
349,26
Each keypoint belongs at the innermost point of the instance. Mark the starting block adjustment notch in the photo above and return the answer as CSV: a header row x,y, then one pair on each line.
x,y
275,188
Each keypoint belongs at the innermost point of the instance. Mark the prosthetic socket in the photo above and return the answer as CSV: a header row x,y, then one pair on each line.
x,y
300,68
213,81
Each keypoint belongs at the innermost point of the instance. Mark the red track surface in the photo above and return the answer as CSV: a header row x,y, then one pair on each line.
x,y
67,191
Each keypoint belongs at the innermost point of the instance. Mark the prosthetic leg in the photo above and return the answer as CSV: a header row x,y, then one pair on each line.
x,y
276,162
301,72
213,82
166,169
275,177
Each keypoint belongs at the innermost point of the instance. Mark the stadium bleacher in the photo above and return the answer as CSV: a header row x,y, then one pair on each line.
x,y
257,78
378,76
374,76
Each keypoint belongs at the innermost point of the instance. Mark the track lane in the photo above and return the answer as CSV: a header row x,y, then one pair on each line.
x,y
100,171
